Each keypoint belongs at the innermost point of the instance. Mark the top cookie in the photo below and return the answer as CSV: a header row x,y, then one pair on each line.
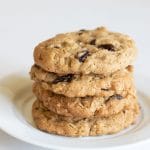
x,y
97,51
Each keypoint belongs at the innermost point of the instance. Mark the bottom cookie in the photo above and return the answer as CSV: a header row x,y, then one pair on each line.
x,y
49,121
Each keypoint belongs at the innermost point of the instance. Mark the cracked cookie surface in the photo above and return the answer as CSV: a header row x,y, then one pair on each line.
x,y
97,51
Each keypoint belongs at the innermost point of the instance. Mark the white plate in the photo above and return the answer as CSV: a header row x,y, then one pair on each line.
x,y
16,120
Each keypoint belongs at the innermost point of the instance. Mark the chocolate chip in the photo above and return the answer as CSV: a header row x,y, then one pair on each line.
x,y
109,47
92,42
116,96
82,55
65,78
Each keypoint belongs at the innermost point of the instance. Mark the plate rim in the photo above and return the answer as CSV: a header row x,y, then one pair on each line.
x,y
61,147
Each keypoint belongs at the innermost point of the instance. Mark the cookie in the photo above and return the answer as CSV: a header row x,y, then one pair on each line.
x,y
84,85
97,51
85,106
50,122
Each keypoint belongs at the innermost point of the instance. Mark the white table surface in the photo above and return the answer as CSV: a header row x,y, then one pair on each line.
x,y
25,23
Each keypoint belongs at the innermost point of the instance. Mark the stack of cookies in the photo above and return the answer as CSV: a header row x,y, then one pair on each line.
x,y
84,83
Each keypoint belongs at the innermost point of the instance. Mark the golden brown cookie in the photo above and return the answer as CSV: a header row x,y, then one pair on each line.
x,y
97,51
50,122
86,106
84,85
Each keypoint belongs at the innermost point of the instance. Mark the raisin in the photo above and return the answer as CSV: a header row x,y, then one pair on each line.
x,y
92,42
105,89
56,46
109,47
82,31
82,55
65,78
116,96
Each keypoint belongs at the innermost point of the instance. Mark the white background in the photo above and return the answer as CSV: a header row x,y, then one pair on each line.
x,y
25,23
